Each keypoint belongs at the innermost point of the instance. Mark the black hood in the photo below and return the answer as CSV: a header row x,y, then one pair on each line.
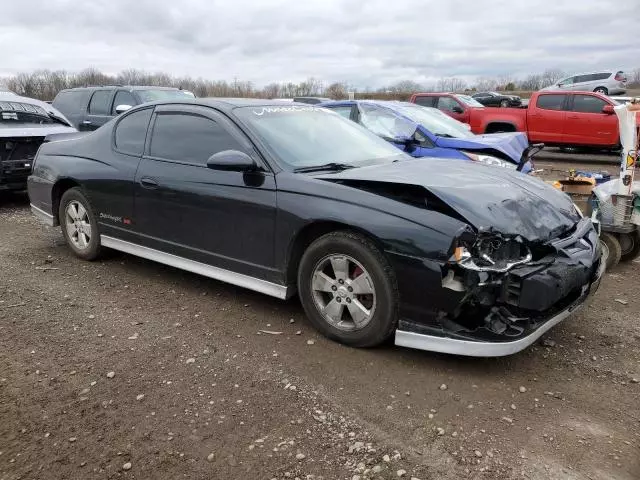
x,y
489,198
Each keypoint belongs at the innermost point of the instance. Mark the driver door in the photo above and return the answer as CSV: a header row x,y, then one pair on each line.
x,y
220,218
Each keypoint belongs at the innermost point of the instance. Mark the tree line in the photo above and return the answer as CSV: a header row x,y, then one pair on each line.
x,y
45,84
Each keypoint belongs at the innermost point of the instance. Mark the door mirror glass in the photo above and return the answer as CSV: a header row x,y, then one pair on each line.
x,y
122,108
457,109
608,109
231,160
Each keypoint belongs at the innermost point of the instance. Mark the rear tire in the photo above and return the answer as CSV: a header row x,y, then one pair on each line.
x,y
602,90
348,289
79,225
615,250
630,246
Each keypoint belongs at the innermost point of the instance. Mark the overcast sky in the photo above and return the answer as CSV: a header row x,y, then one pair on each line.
x,y
363,42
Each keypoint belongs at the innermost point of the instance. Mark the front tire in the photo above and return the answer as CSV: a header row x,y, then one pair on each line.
x,y
348,289
504,103
79,225
602,90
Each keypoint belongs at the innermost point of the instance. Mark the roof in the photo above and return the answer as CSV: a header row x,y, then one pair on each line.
x,y
245,102
384,103
128,87
226,104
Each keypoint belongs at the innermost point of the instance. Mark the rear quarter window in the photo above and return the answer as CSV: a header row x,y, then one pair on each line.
x,y
550,102
131,132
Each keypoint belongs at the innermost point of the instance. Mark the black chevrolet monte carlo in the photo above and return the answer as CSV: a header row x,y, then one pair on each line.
x,y
446,256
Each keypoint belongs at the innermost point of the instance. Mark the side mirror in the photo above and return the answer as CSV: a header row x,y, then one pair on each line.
x,y
608,109
407,143
122,108
231,160
457,109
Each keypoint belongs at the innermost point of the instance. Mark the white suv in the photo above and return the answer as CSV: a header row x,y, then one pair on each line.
x,y
607,82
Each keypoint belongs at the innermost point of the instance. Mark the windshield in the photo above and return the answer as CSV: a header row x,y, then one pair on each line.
x,y
310,136
438,123
153,95
469,101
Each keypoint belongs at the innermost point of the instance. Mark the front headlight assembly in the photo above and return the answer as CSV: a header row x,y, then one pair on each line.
x,y
491,253
490,160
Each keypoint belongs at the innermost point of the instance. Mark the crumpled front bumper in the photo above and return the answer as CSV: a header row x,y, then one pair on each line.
x,y
407,336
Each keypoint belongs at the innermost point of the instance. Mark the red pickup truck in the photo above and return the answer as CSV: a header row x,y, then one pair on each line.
x,y
552,118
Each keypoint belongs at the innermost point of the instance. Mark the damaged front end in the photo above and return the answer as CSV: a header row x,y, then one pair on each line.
x,y
24,126
509,290
16,161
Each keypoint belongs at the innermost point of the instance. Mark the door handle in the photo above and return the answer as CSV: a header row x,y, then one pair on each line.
x,y
87,122
572,116
148,182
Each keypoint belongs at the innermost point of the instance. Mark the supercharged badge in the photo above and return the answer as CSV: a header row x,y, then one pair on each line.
x,y
113,218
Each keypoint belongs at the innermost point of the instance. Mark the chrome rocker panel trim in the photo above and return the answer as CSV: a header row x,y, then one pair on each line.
x,y
468,348
43,216
227,276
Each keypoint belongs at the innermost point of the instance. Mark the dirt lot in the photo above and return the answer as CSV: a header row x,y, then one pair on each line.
x,y
197,392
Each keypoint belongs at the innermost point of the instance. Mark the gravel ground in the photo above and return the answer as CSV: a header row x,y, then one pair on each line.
x,y
128,369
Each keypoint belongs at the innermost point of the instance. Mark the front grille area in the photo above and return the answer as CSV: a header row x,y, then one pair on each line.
x,y
16,158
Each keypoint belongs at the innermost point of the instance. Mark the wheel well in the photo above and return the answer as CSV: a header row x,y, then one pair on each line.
x,y
308,235
495,127
58,190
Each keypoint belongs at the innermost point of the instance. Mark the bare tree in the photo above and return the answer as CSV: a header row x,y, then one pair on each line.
x,y
551,76
484,84
531,82
634,78
452,84
405,86
336,91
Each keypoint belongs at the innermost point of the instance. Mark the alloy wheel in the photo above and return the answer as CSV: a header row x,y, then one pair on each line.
x,y
343,292
78,225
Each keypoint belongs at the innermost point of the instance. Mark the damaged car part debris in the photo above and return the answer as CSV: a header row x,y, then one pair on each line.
x,y
285,199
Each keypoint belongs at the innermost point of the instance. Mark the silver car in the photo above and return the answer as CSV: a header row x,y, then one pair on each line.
x,y
607,82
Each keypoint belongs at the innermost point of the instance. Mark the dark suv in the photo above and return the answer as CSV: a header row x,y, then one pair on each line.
x,y
88,108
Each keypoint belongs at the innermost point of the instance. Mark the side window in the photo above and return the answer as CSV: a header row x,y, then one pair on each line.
x,y
189,138
426,101
447,104
588,104
70,102
550,102
131,132
581,78
123,98
567,81
343,110
602,76
99,104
